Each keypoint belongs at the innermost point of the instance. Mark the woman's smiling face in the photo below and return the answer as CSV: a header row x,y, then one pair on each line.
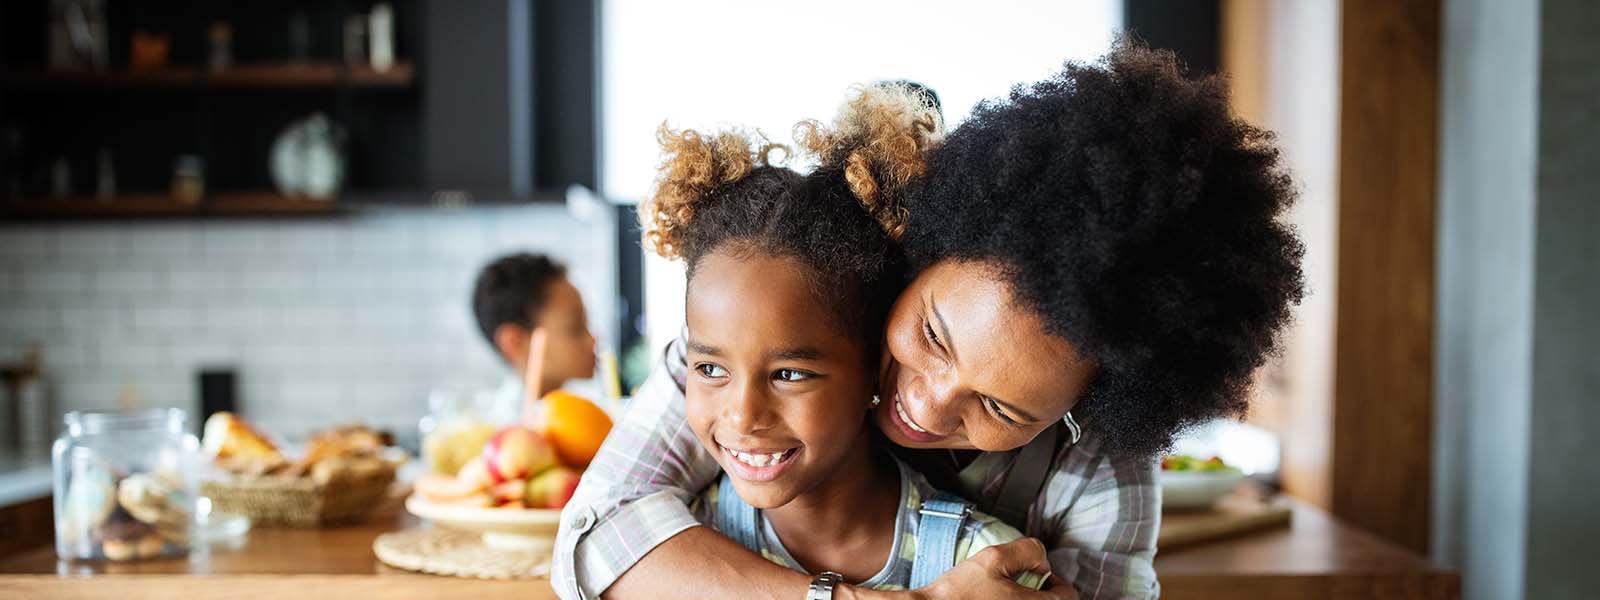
x,y
775,391
966,367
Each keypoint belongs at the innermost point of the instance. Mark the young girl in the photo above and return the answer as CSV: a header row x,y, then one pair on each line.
x,y
790,276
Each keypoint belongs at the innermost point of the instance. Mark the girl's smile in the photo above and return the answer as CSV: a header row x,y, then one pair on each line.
x,y
762,464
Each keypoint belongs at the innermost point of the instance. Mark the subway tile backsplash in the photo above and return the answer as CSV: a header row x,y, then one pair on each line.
x,y
325,321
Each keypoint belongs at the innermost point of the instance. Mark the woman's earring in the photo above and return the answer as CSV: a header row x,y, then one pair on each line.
x,y
1072,426
876,400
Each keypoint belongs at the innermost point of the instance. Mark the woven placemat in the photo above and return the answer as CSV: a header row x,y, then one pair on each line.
x,y
461,554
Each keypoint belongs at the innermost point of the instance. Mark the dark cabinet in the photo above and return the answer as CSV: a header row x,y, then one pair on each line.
x,y
489,101
509,96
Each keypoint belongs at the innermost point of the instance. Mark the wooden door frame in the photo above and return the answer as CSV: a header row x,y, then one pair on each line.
x,y
1382,442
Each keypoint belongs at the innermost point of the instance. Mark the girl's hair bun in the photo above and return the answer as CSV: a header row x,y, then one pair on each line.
x,y
878,141
693,167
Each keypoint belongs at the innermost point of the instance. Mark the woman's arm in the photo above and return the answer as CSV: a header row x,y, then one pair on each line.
x,y
700,563
1104,542
635,494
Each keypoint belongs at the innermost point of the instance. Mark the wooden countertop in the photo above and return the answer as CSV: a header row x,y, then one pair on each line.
x,y
1314,558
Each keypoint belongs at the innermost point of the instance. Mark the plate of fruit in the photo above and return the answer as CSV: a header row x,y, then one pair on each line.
x,y
1189,483
512,490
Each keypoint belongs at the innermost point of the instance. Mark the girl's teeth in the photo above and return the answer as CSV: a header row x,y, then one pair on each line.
x,y
758,460
905,418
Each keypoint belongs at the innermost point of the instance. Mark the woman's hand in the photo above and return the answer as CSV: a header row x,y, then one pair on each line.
x,y
990,574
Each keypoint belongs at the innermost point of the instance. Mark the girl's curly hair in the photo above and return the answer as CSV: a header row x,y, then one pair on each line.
x,y
840,219
879,140
1128,209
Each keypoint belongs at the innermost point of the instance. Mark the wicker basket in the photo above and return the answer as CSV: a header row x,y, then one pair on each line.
x,y
300,501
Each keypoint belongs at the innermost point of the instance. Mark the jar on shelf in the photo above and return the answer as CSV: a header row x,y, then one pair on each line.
x,y
125,485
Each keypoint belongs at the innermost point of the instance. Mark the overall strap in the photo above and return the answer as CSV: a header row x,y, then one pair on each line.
x,y
937,532
735,518
1026,478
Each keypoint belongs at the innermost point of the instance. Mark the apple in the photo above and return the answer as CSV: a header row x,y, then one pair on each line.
x,y
552,488
508,492
516,453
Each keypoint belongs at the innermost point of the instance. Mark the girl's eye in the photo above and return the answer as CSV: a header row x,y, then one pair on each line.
x,y
933,338
791,375
711,371
999,413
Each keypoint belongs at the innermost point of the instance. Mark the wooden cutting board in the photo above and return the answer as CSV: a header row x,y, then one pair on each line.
x,y
1233,516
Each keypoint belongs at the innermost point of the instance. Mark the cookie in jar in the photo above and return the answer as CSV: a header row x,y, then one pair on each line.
x,y
125,486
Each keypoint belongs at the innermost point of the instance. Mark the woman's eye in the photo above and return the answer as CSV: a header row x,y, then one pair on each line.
x,y
710,370
933,338
791,375
999,413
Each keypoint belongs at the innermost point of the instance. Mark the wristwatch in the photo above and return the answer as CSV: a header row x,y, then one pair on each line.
x,y
822,587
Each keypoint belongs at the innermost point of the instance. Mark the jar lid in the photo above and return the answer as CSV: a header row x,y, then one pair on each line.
x,y
155,419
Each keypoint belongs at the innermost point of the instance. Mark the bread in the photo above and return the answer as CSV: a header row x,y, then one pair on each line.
x,y
228,437
240,449
346,441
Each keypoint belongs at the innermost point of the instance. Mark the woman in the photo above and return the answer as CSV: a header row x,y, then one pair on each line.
x,y
1102,247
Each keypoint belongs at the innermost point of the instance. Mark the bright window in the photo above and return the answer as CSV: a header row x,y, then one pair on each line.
x,y
711,63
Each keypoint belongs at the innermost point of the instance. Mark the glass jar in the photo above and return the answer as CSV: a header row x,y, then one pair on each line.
x,y
125,485
456,427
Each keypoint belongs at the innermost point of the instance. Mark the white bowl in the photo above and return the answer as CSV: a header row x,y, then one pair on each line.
x,y
505,528
1190,490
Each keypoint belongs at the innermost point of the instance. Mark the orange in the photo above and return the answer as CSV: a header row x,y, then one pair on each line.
x,y
574,426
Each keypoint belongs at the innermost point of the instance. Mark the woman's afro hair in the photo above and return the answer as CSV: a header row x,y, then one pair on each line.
x,y
1125,205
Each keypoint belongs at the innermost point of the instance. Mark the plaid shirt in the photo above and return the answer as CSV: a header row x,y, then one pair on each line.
x,y
1097,515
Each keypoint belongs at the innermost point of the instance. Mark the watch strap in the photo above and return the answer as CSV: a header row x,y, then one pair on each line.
x,y
822,585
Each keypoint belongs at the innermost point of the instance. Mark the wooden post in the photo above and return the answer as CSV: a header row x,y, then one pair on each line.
x,y
1383,383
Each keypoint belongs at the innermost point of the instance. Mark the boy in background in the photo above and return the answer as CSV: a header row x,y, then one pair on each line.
x,y
518,293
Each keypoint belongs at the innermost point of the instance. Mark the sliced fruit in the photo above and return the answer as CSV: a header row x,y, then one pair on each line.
x,y
475,473
443,489
481,500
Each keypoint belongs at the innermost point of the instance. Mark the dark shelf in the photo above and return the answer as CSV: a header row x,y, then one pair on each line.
x,y
260,203
163,206
252,76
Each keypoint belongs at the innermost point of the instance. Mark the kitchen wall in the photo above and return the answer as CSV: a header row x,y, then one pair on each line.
x,y
1519,283
326,320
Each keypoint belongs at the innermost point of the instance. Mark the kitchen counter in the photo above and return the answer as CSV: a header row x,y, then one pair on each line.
x,y
1317,557
23,478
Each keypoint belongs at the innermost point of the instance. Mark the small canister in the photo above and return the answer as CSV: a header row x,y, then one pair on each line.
x,y
125,485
